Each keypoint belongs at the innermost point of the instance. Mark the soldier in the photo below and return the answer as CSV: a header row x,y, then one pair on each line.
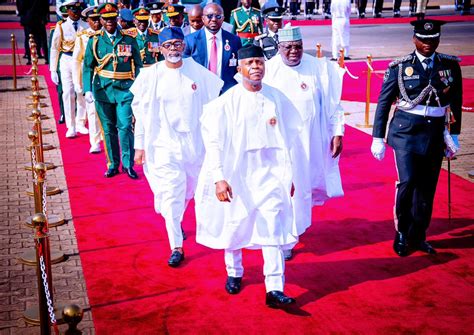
x,y
268,41
427,84
125,19
147,38
294,8
93,19
62,46
156,21
246,22
111,62
175,14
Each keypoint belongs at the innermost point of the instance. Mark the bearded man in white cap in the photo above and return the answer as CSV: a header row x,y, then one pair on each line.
x,y
168,101
314,85
62,46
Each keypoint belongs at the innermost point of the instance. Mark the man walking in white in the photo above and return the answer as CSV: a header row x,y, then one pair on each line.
x,y
93,19
168,101
62,46
341,13
314,85
243,197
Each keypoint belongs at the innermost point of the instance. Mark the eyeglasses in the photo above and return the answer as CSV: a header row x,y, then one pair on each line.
x,y
176,45
288,47
217,16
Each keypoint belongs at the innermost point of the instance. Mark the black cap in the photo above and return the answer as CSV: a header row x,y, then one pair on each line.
x,y
427,28
250,51
272,11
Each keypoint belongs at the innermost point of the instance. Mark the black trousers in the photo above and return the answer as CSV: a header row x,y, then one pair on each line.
x,y
294,7
417,179
40,37
361,5
396,5
378,6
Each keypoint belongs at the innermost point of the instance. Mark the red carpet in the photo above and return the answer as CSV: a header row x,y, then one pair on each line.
x,y
355,89
344,276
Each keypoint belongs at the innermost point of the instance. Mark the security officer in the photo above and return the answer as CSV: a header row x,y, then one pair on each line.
x,y
427,85
111,62
176,18
155,9
62,46
246,22
147,38
268,41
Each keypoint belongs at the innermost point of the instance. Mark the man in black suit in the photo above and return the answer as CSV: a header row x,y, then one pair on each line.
x,y
34,14
427,85
213,47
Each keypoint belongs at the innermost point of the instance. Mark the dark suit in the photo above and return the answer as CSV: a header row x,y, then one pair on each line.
x,y
416,139
196,47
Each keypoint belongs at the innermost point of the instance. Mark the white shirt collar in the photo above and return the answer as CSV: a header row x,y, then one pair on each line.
x,y
209,34
422,58
110,35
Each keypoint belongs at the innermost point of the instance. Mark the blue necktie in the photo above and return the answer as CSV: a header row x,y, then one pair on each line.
x,y
75,25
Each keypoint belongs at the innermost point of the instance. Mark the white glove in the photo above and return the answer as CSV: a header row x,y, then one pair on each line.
x,y
54,77
78,89
89,97
378,148
452,144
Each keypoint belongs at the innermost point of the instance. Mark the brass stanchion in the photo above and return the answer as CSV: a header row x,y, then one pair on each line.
x,y
53,219
319,53
340,61
72,315
367,96
39,192
14,60
45,315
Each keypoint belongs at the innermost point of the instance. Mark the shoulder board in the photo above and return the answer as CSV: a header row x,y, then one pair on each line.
x,y
256,9
83,32
132,32
236,9
450,57
259,37
153,31
399,60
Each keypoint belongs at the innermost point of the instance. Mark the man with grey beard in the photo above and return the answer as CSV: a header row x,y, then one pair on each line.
x,y
167,104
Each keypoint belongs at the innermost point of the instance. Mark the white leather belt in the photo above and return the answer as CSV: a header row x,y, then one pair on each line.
x,y
424,110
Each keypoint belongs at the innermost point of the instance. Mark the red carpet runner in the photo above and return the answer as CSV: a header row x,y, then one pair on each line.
x,y
345,277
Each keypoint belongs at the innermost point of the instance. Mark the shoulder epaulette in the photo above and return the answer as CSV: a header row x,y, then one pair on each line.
x,y
450,57
153,31
83,32
259,37
258,10
399,60
236,9
132,32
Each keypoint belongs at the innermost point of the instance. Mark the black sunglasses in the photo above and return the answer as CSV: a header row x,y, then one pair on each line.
x,y
217,16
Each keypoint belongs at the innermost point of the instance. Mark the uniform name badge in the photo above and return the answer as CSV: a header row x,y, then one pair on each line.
x,y
233,60
124,50
153,47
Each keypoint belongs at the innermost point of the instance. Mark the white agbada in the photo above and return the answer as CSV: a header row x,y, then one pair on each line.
x,y
315,87
243,148
167,105
341,13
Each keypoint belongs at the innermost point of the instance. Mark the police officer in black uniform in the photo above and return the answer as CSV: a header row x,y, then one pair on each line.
x,y
428,85
268,41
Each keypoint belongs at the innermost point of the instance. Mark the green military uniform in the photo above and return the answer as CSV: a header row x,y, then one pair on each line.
x,y
109,70
59,87
147,41
246,23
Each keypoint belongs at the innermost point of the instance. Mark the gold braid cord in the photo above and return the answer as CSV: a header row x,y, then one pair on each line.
x,y
104,60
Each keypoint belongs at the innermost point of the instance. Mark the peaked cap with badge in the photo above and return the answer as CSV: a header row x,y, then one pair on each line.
x,y
426,29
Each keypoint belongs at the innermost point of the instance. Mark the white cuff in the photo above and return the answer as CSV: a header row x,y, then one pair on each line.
x,y
217,175
139,142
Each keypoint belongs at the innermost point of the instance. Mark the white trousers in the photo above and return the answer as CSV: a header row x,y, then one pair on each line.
x,y
340,36
273,266
93,122
70,102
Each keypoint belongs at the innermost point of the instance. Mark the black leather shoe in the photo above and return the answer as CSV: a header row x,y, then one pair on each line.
x,y
232,285
176,258
288,254
277,299
130,172
400,244
426,247
111,172
61,119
